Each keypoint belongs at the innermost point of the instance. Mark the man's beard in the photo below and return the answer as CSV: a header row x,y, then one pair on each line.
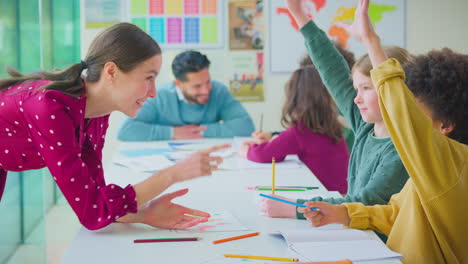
x,y
194,99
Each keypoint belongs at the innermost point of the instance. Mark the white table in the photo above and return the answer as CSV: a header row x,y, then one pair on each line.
x,y
224,190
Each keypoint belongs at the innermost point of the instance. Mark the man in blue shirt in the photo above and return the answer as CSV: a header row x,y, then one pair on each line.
x,y
191,107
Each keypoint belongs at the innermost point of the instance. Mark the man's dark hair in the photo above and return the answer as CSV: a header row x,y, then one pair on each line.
x,y
187,62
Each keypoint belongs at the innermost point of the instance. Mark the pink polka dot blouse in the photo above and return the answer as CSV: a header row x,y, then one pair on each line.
x,y
45,128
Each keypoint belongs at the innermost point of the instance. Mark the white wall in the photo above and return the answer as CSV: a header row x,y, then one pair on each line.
x,y
432,24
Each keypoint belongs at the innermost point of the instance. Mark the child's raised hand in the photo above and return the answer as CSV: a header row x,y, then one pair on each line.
x,y
295,6
297,10
277,209
261,137
362,28
327,214
163,213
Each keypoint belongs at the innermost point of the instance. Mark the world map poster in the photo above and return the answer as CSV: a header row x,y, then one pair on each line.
x,y
287,44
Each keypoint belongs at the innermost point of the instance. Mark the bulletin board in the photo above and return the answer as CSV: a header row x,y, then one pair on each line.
x,y
179,23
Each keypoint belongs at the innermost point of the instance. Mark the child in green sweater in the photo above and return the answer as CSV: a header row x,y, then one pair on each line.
x,y
375,169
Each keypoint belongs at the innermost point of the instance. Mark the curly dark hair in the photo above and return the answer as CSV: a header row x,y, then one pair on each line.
x,y
439,80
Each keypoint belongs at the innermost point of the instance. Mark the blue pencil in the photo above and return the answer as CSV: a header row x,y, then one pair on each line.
x,y
288,202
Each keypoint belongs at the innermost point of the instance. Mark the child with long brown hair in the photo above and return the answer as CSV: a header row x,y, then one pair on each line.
x,y
313,132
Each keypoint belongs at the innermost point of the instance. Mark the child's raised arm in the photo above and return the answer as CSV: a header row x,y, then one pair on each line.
x,y
330,64
364,32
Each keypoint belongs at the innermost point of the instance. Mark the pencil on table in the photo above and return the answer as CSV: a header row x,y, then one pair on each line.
x,y
235,238
176,239
261,257
273,176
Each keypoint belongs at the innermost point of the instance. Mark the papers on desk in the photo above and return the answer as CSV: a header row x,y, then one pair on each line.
x,y
288,163
333,245
144,163
218,222
182,149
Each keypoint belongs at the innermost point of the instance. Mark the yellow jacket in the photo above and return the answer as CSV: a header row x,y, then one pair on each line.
x,y
427,221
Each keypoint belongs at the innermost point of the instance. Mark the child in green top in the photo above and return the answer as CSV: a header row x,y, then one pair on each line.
x,y
375,169
428,122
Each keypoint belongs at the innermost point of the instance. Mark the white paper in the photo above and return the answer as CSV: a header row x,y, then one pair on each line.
x,y
218,222
356,250
334,245
316,235
289,162
144,163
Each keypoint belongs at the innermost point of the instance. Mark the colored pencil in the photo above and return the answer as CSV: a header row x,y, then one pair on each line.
x,y
261,122
196,216
288,186
288,202
260,257
177,239
273,176
282,189
235,238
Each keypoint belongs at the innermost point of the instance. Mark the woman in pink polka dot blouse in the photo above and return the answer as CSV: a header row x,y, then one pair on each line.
x,y
59,120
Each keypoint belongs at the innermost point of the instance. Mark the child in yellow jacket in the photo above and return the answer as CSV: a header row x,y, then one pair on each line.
x,y
426,221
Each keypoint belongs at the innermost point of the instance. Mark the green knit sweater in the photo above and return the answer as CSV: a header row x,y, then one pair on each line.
x,y
375,170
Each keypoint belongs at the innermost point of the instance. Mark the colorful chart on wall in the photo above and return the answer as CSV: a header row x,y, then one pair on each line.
x,y
287,44
179,23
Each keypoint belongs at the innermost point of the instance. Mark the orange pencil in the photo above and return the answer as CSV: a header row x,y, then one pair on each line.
x,y
235,238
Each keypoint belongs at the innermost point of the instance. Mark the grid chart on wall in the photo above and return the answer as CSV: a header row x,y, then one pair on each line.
x,y
179,23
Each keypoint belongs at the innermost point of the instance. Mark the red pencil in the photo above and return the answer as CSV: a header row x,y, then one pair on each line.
x,y
155,240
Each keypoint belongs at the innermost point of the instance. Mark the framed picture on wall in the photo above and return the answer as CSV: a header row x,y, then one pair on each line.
x,y
246,29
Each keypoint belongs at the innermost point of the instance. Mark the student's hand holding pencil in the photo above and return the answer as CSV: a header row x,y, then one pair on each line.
x,y
261,136
163,213
327,214
277,209
198,164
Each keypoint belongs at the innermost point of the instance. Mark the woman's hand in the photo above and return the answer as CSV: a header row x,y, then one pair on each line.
x,y
277,209
163,213
327,214
198,164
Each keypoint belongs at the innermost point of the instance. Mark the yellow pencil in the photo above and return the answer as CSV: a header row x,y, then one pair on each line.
x,y
273,176
260,257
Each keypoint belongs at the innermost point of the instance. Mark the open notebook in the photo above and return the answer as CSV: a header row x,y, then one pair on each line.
x,y
334,245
